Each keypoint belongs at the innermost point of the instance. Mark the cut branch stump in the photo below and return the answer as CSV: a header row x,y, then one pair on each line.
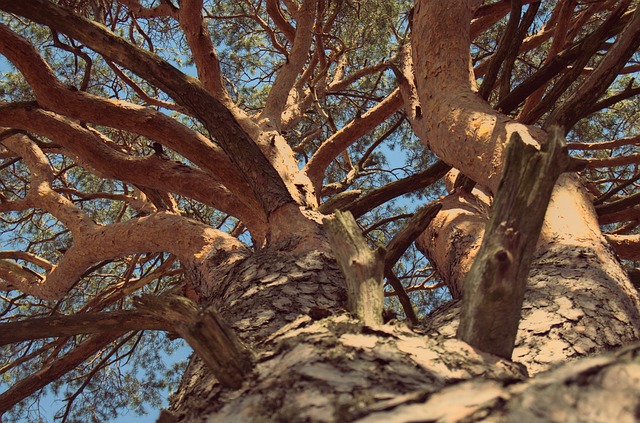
x,y
205,331
363,268
494,287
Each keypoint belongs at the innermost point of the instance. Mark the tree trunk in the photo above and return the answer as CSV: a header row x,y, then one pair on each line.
x,y
579,300
314,362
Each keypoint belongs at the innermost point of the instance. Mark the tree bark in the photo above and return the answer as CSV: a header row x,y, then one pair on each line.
x,y
315,362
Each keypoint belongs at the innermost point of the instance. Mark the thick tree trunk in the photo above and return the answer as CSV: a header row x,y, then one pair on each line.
x,y
316,363
578,301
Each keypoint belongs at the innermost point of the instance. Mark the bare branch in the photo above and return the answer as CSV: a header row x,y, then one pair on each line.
x,y
363,268
94,150
76,324
286,77
202,49
580,102
157,126
338,142
626,246
264,180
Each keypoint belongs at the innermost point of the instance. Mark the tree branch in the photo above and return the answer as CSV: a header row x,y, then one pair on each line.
x,y
626,246
338,142
84,323
264,180
155,125
580,102
385,193
363,269
494,287
285,79
94,151
54,370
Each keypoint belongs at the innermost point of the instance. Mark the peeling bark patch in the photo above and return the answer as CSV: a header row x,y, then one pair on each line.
x,y
359,341
540,321
350,369
450,405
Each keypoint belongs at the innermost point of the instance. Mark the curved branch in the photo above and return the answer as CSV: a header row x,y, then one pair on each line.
x,y
41,194
31,258
285,80
202,49
264,180
460,127
154,233
338,142
273,9
164,9
157,126
395,189
93,149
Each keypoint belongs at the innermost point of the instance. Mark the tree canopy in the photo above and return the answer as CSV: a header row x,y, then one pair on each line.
x,y
142,140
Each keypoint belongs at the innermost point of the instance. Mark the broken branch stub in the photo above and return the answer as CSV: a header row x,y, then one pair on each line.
x,y
204,330
363,268
494,287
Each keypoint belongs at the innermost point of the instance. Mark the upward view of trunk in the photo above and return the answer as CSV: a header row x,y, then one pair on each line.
x,y
222,189
579,300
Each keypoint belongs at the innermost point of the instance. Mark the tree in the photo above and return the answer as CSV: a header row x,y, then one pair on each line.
x,y
175,166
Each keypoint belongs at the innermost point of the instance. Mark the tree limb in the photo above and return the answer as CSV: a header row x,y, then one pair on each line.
x,y
494,287
264,180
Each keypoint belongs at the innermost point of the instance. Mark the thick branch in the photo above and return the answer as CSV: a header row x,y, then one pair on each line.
x,y
285,79
57,326
155,233
94,151
626,246
263,179
202,49
395,189
273,9
211,338
494,287
155,125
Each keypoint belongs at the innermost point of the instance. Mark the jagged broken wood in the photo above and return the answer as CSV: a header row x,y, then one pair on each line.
x,y
204,330
363,268
494,287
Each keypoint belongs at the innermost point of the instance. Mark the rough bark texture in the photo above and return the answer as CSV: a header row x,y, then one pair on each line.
x,y
578,299
315,363
286,299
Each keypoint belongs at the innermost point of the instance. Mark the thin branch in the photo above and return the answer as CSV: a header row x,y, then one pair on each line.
x,y
77,324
